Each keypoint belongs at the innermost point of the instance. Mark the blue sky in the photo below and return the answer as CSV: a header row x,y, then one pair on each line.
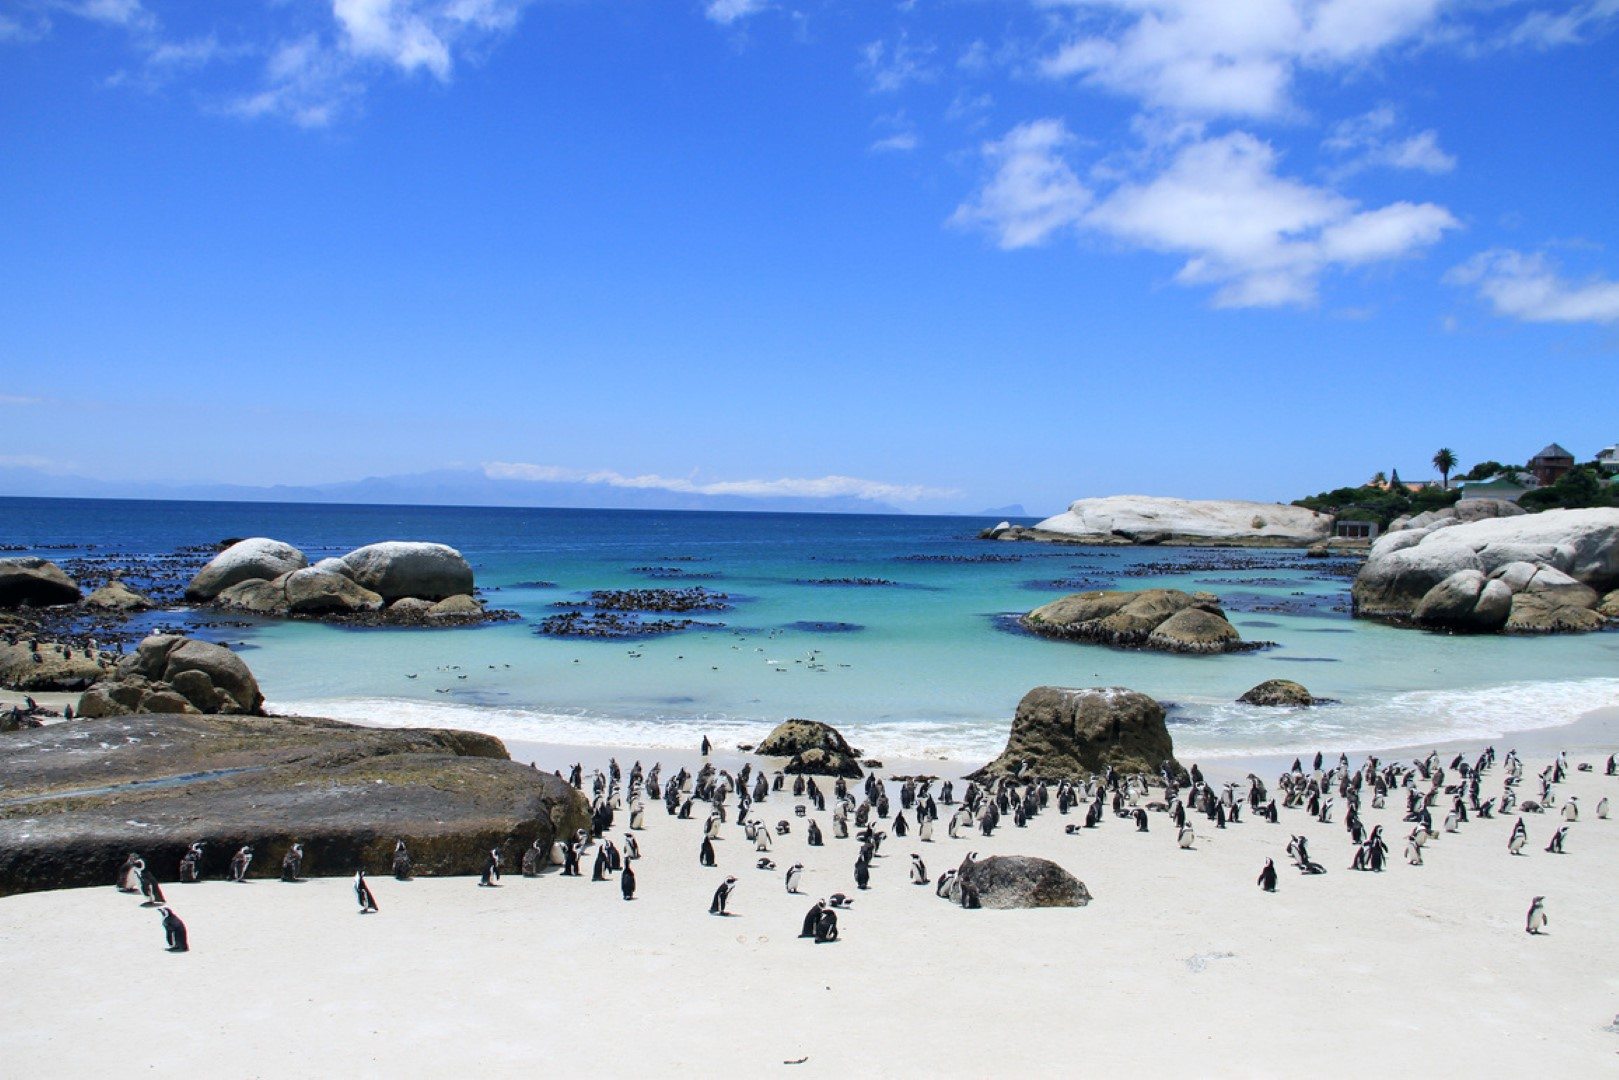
x,y
944,254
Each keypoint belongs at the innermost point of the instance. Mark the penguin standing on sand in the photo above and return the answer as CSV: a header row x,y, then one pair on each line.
x,y
240,862
570,860
826,927
632,848
919,870
707,746
626,882
490,879
1141,819
1519,837
599,871
705,853
362,894
292,863
1413,849
811,919
1602,809
1556,846
795,874
1535,921
174,931
813,834
191,864
1267,877
401,861
722,896
150,888
1186,837
862,874
1571,809
533,859
129,874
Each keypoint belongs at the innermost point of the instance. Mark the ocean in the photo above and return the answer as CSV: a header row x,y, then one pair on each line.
x,y
897,629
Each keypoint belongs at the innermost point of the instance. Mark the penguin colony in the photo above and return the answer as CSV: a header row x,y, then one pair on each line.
x,y
1480,792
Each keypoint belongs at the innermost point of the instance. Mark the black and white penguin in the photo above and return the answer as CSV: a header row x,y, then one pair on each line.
x,y
1535,921
811,919
534,857
1556,846
826,927
240,862
1141,819
1571,809
599,871
1267,877
705,853
919,870
129,874
292,862
1519,837
722,896
1186,837
707,746
150,888
174,931
490,878
813,834
362,894
795,874
570,859
1413,849
626,882
1602,808
840,901
401,865
191,864
862,874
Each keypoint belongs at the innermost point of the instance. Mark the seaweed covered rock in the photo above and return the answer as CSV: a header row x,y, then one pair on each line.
x,y
77,798
35,582
1278,693
1064,733
1167,620
116,596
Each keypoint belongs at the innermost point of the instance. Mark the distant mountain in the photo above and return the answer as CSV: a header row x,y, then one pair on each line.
x,y
443,487
1013,511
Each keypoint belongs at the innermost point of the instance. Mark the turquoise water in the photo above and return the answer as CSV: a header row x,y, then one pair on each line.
x,y
922,667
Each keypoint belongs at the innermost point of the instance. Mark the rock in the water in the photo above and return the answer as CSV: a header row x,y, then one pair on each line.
x,y
1278,692
1023,881
1465,601
1165,619
1609,606
409,607
116,596
35,582
455,607
259,557
313,590
25,668
396,568
347,793
1145,519
257,596
1544,613
1062,733
153,679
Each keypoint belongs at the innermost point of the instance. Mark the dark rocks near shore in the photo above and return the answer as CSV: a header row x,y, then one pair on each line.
x,y
33,666
34,582
1064,733
612,626
346,793
663,601
168,673
1166,620
815,748
1278,693
1022,881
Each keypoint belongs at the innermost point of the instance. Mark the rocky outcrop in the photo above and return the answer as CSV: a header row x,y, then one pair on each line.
x,y
35,666
314,591
77,798
398,568
168,673
815,748
1468,576
116,596
1458,514
1021,881
1278,693
1609,607
258,558
1164,619
1061,733
1146,519
36,583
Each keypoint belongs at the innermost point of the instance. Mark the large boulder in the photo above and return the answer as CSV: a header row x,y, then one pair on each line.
x,y
398,568
791,737
116,596
1165,619
1402,568
1466,601
1022,881
1609,607
1544,613
1459,513
259,557
818,761
1062,733
257,596
80,797
1278,693
35,582
456,607
35,666
314,590
1146,519
167,673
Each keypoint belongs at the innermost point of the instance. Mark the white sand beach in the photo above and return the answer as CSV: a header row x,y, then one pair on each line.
x,y
1180,962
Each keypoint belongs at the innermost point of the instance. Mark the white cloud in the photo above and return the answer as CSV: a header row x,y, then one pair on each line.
x,y
1033,192
900,136
1543,29
893,67
1528,287
1261,239
821,487
1367,141
726,12
19,399
1225,57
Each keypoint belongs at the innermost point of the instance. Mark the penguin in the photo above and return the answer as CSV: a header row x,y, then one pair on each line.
x,y
1571,809
533,858
813,834
795,873
826,927
626,882
191,864
570,860
1267,877
761,839
1556,846
129,874
150,888
632,847
598,872
1602,809
1519,837
707,746
722,896
924,830
812,919
862,874
1186,837
638,816
490,879
705,853
240,862
174,931
401,867
1536,920
292,862
1141,819
919,870
1413,850
362,894
841,901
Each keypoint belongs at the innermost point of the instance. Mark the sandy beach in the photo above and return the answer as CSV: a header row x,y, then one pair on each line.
x,y
1180,958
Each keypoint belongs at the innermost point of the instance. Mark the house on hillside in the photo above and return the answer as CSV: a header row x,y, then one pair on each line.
x,y
1608,459
1394,483
1550,464
1508,486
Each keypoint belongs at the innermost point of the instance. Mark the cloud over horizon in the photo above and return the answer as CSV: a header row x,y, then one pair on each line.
x,y
1528,287
821,487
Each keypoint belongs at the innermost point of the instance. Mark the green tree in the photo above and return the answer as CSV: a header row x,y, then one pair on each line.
x,y
1379,478
1444,461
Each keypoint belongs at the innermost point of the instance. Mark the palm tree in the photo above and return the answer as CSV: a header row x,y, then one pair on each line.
x,y
1379,479
1444,461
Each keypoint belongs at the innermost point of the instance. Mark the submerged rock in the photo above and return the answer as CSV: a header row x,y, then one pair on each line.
x,y
1168,620
35,582
1279,693
1063,733
116,596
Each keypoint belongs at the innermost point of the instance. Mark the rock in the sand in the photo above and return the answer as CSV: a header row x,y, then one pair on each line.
x,y
259,557
101,788
1146,519
397,568
795,736
30,670
820,762
313,590
35,582
1278,693
170,673
1063,733
116,596
1024,881
1168,620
